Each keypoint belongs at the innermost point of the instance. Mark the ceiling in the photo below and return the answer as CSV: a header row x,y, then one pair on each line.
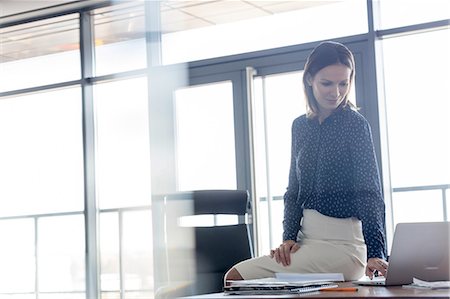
x,y
114,24
182,15
177,15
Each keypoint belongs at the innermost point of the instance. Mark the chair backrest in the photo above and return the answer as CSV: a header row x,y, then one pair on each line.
x,y
216,247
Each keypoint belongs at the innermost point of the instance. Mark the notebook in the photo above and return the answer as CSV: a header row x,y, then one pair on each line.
x,y
274,287
419,250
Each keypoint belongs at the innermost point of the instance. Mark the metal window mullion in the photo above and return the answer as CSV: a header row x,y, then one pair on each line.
x,y
266,147
36,262
153,32
90,201
250,72
444,203
121,260
375,75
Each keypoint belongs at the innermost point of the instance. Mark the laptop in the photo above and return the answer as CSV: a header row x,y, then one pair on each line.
x,y
419,250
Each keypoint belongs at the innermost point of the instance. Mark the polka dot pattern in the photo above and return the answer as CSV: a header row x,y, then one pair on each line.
x,y
334,171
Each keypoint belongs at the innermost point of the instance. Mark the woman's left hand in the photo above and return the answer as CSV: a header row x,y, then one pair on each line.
x,y
376,264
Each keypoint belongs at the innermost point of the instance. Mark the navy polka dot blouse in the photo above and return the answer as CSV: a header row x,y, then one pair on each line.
x,y
334,171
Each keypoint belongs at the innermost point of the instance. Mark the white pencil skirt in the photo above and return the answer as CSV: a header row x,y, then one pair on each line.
x,y
327,245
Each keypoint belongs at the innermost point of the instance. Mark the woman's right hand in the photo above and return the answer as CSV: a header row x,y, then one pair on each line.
x,y
282,254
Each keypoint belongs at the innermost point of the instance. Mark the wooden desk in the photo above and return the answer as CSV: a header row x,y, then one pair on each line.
x,y
363,292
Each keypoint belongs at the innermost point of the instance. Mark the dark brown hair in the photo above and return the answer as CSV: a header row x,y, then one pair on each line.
x,y
325,54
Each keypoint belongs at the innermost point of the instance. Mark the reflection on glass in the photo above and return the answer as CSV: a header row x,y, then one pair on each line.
x,y
119,38
245,29
61,255
41,156
205,137
39,53
109,252
411,12
418,109
417,206
123,147
137,256
17,260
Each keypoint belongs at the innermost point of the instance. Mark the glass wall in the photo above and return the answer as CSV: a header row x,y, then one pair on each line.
x,y
418,122
119,38
45,112
42,163
205,137
411,12
32,53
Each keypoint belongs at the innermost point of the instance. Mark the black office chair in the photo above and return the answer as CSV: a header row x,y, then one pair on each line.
x,y
216,248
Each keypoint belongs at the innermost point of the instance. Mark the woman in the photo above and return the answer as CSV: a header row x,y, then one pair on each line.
x,y
333,207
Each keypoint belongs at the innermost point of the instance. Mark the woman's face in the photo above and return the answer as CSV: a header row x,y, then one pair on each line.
x,y
330,87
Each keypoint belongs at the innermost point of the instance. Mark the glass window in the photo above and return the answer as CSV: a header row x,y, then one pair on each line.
x,y
41,156
123,147
119,38
61,255
17,256
411,12
205,145
417,206
109,253
137,256
279,99
231,27
418,108
39,53
126,245
416,72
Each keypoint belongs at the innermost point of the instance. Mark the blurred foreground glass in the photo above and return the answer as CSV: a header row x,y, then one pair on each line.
x,y
233,27
205,144
123,146
41,156
39,53
411,12
119,38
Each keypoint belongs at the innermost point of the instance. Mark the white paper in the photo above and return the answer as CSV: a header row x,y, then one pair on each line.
x,y
430,284
302,277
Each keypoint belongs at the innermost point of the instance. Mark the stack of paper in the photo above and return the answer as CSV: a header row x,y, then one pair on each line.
x,y
309,277
284,283
433,285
